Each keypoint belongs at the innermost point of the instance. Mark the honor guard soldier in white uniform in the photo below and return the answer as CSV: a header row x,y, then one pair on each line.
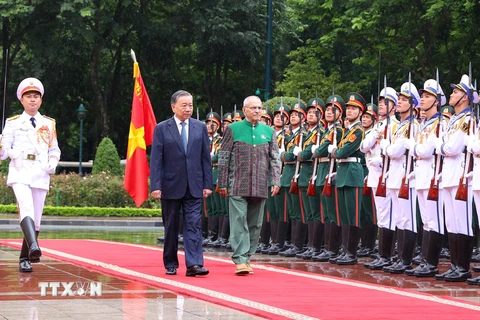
x,y
387,102
404,208
458,213
473,146
30,141
423,148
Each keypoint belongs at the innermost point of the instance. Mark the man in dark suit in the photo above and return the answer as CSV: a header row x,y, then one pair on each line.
x,y
181,174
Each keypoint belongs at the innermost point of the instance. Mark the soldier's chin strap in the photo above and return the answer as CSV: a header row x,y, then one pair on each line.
x,y
433,104
460,99
388,111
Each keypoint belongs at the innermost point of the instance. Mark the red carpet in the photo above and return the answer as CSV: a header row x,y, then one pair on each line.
x,y
273,293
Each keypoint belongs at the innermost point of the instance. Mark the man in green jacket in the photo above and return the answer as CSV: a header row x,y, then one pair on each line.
x,y
248,157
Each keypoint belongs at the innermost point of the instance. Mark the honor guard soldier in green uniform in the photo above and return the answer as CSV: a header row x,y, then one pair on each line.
x,y
349,178
369,231
276,205
328,212
295,211
264,244
212,205
311,204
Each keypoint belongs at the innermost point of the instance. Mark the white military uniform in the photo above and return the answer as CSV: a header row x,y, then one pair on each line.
x,y
474,148
458,214
404,210
30,150
372,150
423,151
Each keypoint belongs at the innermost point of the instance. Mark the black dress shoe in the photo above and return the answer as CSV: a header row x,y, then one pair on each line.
x,y
25,266
441,276
171,271
196,270
474,281
476,268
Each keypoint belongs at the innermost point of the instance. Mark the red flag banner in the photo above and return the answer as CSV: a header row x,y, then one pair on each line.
x,y
140,136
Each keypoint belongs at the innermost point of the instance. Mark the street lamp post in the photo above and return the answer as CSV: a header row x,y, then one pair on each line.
x,y
81,114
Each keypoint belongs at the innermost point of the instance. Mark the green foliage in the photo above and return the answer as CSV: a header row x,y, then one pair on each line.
x,y
107,159
90,211
71,190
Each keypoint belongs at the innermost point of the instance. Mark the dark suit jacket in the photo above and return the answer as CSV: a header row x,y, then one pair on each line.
x,y
171,169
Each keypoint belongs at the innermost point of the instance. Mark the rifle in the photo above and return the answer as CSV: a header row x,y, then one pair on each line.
x,y
221,119
312,189
327,187
294,184
382,186
462,191
433,190
234,113
367,191
198,116
4,90
212,126
405,187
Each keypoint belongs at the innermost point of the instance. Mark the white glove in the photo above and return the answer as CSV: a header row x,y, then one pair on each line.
x,y
411,175
212,154
52,165
468,139
384,143
409,144
469,175
314,147
470,146
333,176
281,150
438,146
375,162
439,177
331,148
296,151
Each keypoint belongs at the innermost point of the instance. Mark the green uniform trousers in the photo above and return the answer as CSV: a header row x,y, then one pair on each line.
x,y
329,206
246,218
350,204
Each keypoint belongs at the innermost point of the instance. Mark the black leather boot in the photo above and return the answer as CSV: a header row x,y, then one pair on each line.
x,y
24,264
344,238
385,245
327,253
409,242
362,250
453,247
318,236
423,254
28,228
281,232
400,235
430,268
474,281
371,238
307,254
465,247
350,258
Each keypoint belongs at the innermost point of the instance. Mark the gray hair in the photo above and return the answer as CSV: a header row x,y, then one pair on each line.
x,y
178,94
247,99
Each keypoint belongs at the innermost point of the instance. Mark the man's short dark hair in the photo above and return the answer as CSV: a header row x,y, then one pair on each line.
x,y
178,94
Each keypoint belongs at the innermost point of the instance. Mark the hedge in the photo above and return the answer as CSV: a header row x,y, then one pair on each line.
x,y
90,211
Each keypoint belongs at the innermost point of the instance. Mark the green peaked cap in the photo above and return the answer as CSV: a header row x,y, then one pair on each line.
x,y
356,100
337,101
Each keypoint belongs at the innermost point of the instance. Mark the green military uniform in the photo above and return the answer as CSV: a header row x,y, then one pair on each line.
x,y
368,216
328,204
296,212
212,205
349,183
276,206
311,204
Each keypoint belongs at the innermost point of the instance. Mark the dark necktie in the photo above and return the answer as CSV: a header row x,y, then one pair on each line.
x,y
184,135
32,119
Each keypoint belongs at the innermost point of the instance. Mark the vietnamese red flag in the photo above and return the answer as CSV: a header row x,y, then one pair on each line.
x,y
140,136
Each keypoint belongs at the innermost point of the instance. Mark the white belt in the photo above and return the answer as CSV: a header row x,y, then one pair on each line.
x,y
323,159
349,159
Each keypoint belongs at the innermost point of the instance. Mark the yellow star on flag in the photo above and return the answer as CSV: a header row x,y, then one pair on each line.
x,y
135,139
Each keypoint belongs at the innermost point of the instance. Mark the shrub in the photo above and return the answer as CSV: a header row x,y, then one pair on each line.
x,y
107,159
